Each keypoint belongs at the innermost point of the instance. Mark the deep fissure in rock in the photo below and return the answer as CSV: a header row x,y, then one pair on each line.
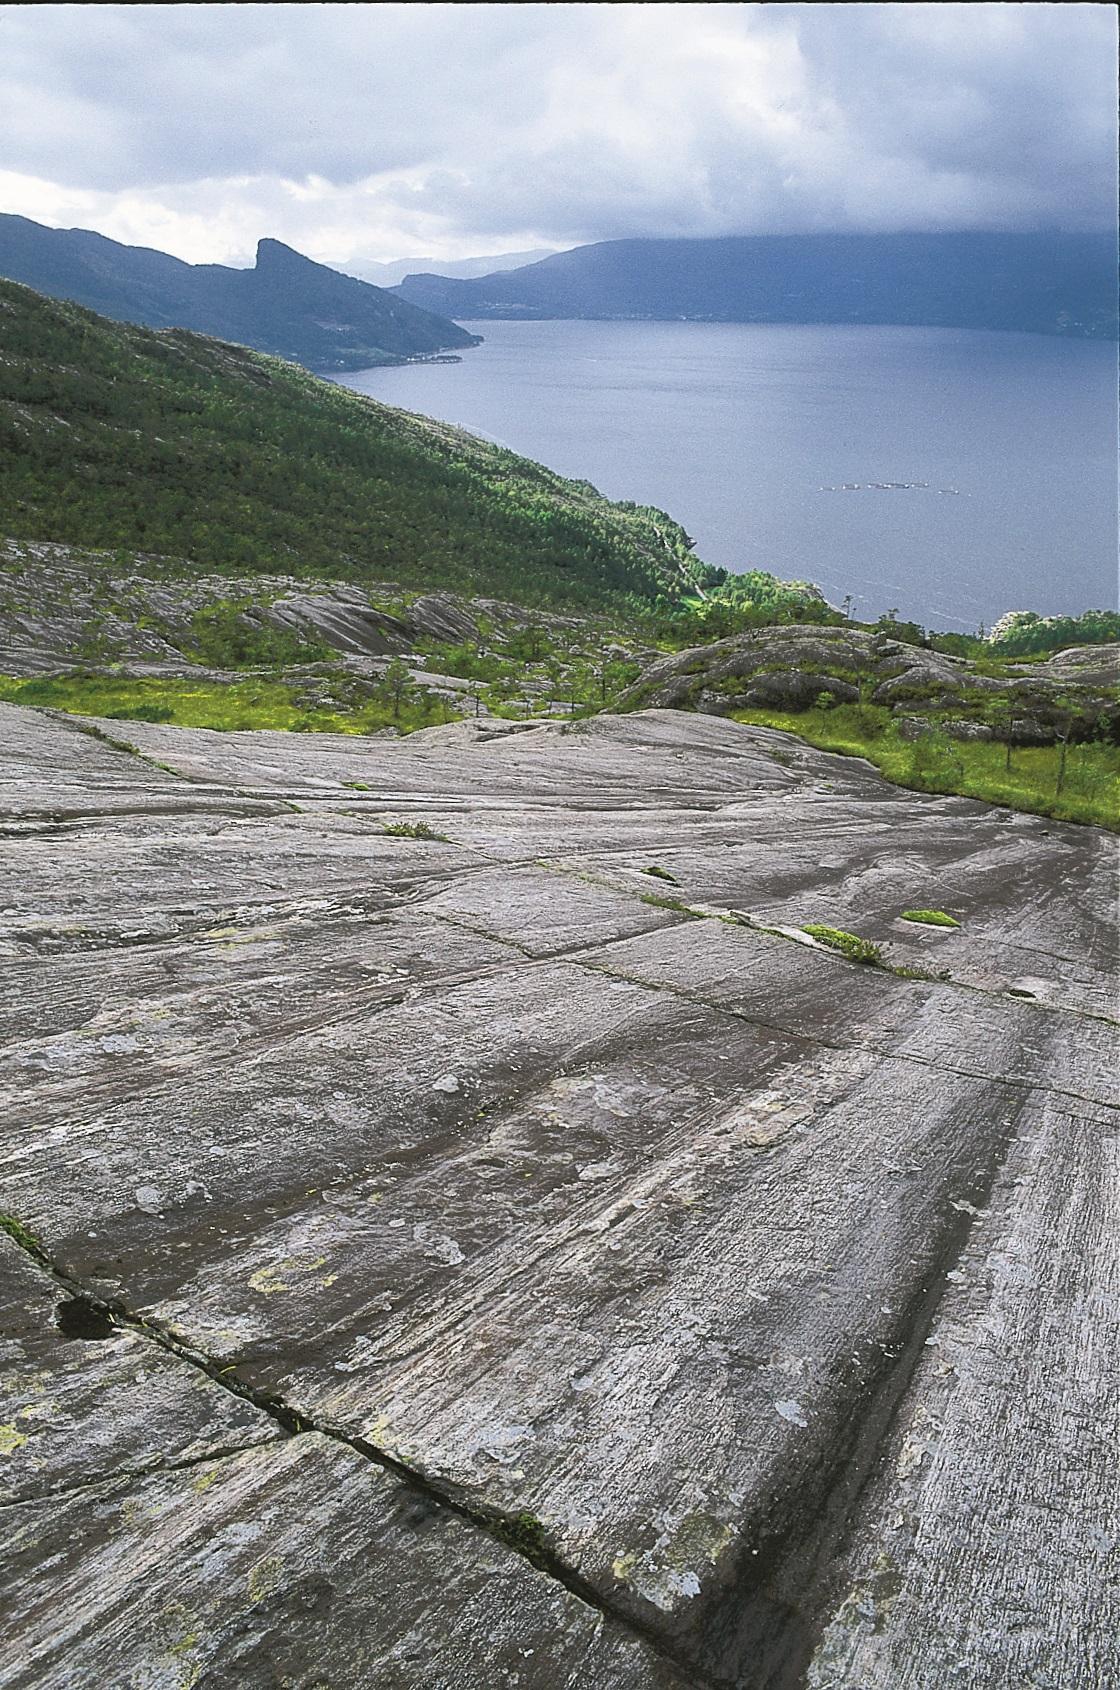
x,y
81,1317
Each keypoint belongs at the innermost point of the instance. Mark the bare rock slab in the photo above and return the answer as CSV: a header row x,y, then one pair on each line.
x,y
295,1564
503,1172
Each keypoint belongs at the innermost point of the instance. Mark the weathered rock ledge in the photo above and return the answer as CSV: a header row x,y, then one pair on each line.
x,y
472,1261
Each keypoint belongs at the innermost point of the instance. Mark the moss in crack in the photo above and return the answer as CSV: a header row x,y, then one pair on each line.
x,y
116,744
660,903
661,874
523,1532
848,944
413,830
24,1237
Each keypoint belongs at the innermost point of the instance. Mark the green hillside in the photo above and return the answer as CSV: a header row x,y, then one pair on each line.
x,y
166,442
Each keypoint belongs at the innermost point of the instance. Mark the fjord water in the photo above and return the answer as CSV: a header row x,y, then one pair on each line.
x,y
995,452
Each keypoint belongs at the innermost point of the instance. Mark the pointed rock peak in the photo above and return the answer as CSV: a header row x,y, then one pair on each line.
x,y
274,255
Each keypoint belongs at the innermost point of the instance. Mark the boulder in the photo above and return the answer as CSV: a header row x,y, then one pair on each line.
x,y
342,620
438,617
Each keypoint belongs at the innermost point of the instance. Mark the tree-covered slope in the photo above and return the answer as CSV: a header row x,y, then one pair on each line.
x,y
285,304
114,436
1050,283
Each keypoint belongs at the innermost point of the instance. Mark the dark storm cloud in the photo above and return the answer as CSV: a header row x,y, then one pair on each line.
x,y
384,128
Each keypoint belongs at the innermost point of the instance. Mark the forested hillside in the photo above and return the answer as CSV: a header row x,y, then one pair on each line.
x,y
114,436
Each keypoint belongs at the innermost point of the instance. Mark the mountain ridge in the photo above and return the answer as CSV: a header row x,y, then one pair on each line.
x,y
1062,284
286,305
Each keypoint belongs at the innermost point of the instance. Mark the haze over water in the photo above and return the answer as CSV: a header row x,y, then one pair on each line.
x,y
765,442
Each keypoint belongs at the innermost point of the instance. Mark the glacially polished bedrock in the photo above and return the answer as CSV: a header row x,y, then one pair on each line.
x,y
503,1266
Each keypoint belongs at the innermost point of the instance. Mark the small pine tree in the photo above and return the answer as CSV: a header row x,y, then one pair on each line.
x,y
396,686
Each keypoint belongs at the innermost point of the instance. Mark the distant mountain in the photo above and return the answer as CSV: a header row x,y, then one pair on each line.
x,y
387,274
285,305
1043,283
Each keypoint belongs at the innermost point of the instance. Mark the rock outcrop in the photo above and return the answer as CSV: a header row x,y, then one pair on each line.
x,y
790,668
61,608
459,1256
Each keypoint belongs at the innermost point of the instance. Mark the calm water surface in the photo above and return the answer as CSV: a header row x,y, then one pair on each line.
x,y
747,434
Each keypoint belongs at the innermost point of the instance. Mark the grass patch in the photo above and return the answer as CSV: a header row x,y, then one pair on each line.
x,y
930,918
848,944
972,768
258,703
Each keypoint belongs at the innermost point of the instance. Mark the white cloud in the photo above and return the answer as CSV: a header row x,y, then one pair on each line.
x,y
387,129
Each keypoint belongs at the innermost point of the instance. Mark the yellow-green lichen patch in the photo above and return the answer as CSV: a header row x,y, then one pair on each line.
x,y
265,1577
37,1411
670,1570
699,1537
865,1607
177,1628
270,1280
11,1438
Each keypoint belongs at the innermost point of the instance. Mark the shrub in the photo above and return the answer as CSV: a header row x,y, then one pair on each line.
x,y
222,636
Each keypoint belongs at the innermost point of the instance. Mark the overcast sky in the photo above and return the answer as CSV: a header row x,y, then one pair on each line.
x,y
388,131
